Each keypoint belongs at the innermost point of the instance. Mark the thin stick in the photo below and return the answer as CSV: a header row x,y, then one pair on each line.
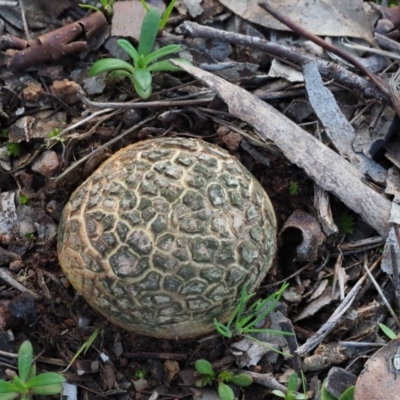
x,y
26,29
388,306
325,45
329,325
12,282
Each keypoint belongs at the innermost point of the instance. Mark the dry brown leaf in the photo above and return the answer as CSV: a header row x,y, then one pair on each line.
x,y
322,17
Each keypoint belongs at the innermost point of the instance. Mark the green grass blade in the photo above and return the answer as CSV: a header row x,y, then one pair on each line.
x,y
109,64
147,8
166,15
164,51
275,297
222,329
86,345
264,330
25,357
129,49
148,32
94,8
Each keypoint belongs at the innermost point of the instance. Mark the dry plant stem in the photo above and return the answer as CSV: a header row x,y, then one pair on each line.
x,y
328,70
104,146
334,319
360,344
323,165
144,104
4,274
375,283
395,266
23,17
325,45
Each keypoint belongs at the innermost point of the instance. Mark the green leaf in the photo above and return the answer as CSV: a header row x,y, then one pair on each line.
x,y
142,81
166,15
325,395
47,378
166,66
204,367
19,384
55,388
279,393
292,383
129,49
25,357
148,32
225,392
7,387
120,73
9,396
32,372
162,52
222,329
388,332
242,380
94,8
348,394
109,64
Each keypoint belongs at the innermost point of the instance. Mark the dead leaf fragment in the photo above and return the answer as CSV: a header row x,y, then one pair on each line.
x,y
324,18
380,377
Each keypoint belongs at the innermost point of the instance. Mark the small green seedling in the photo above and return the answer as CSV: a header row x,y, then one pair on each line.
x,y
23,200
243,320
208,376
106,7
4,132
140,373
144,60
388,332
165,16
291,390
13,149
27,383
294,188
85,347
345,222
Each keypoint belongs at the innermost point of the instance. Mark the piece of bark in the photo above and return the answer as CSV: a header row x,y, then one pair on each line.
x,y
52,45
338,380
336,125
324,166
328,70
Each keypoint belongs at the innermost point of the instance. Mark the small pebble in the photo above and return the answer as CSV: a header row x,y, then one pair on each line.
x,y
46,164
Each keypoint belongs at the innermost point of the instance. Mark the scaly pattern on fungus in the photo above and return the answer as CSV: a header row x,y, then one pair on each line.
x,y
163,236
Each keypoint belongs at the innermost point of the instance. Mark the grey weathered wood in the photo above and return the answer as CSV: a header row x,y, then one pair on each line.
x,y
338,380
321,164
